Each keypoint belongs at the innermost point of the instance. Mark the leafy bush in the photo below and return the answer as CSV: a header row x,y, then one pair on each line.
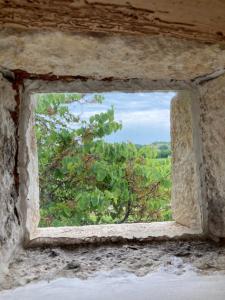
x,y
84,180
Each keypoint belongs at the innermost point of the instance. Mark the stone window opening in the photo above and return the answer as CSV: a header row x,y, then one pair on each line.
x,y
187,218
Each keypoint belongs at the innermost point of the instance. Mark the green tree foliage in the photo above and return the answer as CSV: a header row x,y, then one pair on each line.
x,y
84,180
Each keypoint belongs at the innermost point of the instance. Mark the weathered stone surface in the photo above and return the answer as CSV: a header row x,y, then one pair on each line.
x,y
174,257
112,233
186,197
9,210
109,56
203,20
212,109
28,166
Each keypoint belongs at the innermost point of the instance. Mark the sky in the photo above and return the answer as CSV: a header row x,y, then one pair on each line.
x,y
145,116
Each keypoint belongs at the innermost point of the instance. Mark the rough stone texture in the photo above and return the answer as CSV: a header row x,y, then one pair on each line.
x,y
176,257
125,51
212,109
86,85
201,20
9,206
28,166
109,56
186,197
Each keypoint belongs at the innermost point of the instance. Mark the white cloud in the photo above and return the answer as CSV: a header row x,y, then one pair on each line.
x,y
140,113
154,117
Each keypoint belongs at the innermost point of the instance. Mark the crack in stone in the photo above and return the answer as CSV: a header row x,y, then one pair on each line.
x,y
199,80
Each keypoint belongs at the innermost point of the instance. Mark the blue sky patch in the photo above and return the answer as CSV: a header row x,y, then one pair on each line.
x,y
145,116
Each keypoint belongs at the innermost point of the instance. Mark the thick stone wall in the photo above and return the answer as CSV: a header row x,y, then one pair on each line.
x,y
203,20
186,196
212,114
109,56
10,221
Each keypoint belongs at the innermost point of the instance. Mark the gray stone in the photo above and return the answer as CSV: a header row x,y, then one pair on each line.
x,y
117,56
10,219
212,109
186,199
